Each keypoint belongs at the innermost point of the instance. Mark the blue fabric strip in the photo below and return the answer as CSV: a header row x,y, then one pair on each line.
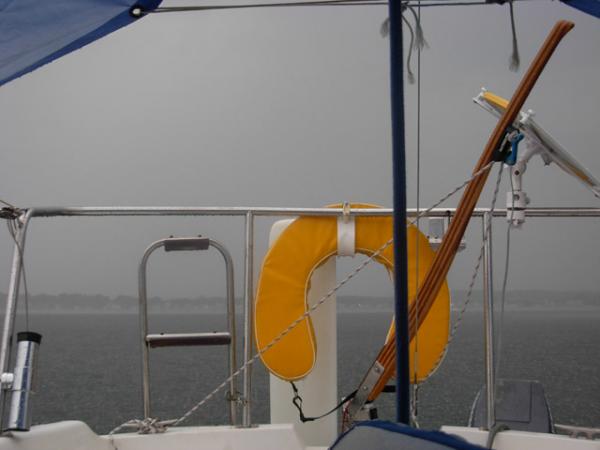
x,y
399,197
424,435
588,6
34,32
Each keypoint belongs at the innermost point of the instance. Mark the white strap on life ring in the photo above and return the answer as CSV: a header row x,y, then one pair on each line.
x,y
346,233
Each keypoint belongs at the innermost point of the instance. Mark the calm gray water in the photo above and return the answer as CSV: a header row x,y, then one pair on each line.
x,y
90,367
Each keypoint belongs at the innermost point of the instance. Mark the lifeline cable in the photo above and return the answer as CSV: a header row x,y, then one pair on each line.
x,y
321,3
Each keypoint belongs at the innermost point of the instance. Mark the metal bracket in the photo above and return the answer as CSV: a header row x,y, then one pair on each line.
x,y
346,212
362,394
437,230
367,412
6,380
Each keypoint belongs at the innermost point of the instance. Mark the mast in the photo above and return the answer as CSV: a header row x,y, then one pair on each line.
x,y
399,186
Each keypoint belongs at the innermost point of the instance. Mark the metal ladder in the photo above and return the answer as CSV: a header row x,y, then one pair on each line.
x,y
149,341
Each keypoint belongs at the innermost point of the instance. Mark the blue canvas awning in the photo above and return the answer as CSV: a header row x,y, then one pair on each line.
x,y
589,6
36,32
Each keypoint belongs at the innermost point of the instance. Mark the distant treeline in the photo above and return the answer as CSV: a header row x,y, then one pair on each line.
x,y
518,299
82,303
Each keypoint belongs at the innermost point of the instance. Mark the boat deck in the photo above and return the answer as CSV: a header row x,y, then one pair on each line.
x,y
75,435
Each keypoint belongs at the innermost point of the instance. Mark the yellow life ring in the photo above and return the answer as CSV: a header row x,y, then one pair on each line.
x,y
284,282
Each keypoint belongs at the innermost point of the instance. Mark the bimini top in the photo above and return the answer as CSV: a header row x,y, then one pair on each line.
x,y
34,32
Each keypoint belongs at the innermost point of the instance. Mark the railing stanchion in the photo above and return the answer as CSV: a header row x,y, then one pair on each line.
x,y
248,317
488,319
11,305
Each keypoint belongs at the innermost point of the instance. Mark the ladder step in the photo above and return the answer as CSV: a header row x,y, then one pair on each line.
x,y
188,339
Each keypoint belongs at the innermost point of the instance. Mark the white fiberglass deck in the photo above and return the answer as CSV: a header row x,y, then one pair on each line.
x,y
523,440
73,435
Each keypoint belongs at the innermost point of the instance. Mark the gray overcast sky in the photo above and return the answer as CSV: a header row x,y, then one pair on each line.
x,y
284,107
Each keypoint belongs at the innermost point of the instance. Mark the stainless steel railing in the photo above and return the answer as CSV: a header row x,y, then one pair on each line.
x,y
249,213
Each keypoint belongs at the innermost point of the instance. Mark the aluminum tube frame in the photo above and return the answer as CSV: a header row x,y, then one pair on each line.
x,y
488,319
143,313
233,392
143,317
11,305
248,319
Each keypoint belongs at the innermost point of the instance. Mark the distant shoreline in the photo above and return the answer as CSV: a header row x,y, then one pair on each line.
x,y
474,310
533,301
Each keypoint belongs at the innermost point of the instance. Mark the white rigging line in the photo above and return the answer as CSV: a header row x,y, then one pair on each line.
x,y
415,395
467,301
504,285
4,202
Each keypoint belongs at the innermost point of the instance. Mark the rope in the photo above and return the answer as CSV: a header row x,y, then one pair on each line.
x,y
384,30
278,338
13,207
504,285
417,40
146,426
409,73
452,192
414,404
473,276
514,57
420,42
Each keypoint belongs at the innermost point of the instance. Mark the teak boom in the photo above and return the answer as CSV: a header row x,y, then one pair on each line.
x,y
445,255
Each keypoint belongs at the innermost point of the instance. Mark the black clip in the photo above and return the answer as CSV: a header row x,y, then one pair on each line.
x,y
297,401
10,213
505,146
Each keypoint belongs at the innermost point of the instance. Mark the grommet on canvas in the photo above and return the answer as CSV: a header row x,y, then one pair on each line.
x,y
136,11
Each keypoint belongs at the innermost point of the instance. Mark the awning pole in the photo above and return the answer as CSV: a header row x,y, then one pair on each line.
x,y
399,174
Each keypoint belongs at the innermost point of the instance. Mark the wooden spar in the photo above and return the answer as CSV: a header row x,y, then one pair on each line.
x,y
445,255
